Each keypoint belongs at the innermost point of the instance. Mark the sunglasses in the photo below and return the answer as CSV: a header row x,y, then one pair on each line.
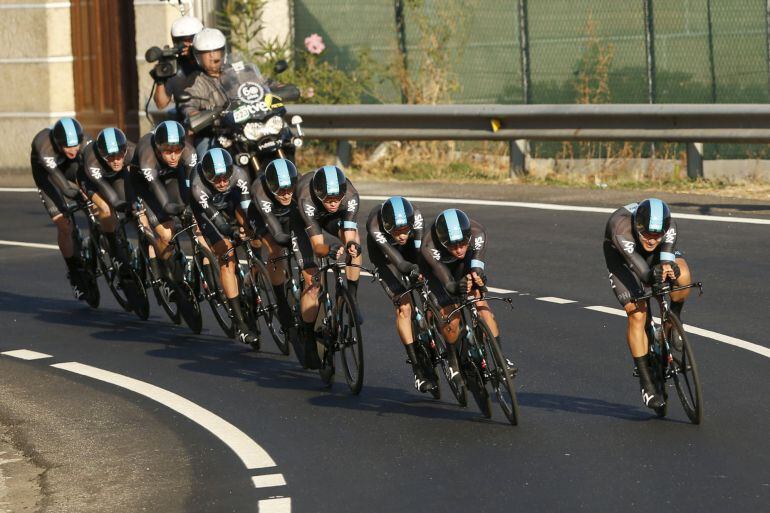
x,y
115,158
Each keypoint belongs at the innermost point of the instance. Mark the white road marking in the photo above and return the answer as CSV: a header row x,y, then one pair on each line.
x,y
275,505
18,189
250,453
28,244
571,208
268,480
713,335
26,354
501,291
557,300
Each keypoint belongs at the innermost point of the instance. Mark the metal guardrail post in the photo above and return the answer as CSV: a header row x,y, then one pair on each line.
x,y
344,153
519,151
694,160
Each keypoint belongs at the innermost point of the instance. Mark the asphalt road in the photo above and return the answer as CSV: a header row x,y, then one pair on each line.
x,y
584,443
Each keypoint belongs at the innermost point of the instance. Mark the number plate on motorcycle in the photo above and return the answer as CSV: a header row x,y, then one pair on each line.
x,y
241,114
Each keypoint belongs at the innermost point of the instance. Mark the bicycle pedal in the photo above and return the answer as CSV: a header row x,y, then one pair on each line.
x,y
636,371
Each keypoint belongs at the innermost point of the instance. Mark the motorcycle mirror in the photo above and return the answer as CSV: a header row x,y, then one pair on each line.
x,y
280,66
183,98
296,119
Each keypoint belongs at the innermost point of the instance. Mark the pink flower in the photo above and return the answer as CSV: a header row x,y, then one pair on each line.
x,y
309,92
315,44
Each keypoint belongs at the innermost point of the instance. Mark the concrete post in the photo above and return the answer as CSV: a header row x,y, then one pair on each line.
x,y
694,160
344,154
519,151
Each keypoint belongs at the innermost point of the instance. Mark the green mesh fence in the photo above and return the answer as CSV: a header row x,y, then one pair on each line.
x,y
705,51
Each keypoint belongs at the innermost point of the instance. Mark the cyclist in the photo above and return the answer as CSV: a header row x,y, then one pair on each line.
x,y
55,159
640,250
328,202
274,218
453,263
166,163
104,177
183,31
394,237
220,194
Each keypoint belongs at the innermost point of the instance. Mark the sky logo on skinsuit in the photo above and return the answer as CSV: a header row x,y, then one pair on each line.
x,y
628,246
147,172
379,237
203,199
96,172
193,159
244,185
436,254
50,162
478,243
418,221
670,236
352,205
267,206
310,210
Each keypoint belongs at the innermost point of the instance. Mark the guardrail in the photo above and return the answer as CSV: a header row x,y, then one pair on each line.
x,y
693,124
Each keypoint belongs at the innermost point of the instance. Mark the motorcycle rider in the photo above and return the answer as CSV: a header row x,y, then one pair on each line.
x,y
55,159
206,92
183,30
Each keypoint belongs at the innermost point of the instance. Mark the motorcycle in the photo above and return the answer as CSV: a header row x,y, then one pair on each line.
x,y
252,126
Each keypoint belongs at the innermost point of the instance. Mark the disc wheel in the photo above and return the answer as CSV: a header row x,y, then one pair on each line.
x,y
136,294
500,377
349,341
475,384
685,372
189,308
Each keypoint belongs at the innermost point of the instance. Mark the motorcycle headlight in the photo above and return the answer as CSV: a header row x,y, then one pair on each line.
x,y
274,125
252,131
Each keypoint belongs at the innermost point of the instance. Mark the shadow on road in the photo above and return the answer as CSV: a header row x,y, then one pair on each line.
x,y
720,208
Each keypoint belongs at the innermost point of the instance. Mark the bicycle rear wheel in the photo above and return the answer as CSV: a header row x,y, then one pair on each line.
x,y
189,309
500,377
685,372
269,308
136,294
88,257
442,347
350,342
657,365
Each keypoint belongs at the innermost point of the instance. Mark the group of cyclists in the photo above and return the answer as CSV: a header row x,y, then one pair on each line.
x,y
164,178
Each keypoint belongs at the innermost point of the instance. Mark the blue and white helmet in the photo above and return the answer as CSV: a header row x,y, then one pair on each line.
x,y
395,213
329,181
452,227
280,174
216,164
652,216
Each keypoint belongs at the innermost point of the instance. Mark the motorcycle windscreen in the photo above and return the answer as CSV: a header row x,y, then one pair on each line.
x,y
243,83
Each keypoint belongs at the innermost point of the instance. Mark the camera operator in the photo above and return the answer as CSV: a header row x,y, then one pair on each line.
x,y
183,30
206,92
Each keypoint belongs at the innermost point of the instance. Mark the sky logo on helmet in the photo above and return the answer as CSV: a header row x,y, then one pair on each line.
x,y
220,167
332,183
282,170
453,228
399,211
70,132
173,131
656,215
110,141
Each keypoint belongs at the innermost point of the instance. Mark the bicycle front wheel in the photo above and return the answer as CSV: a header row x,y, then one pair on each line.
x,y
442,347
213,292
685,371
500,377
349,341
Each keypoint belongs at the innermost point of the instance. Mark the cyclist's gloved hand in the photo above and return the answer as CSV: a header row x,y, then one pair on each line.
x,y
121,206
404,266
414,274
71,192
282,239
675,268
481,274
173,209
334,248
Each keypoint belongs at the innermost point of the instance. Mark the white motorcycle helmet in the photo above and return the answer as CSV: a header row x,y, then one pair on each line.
x,y
208,40
184,27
